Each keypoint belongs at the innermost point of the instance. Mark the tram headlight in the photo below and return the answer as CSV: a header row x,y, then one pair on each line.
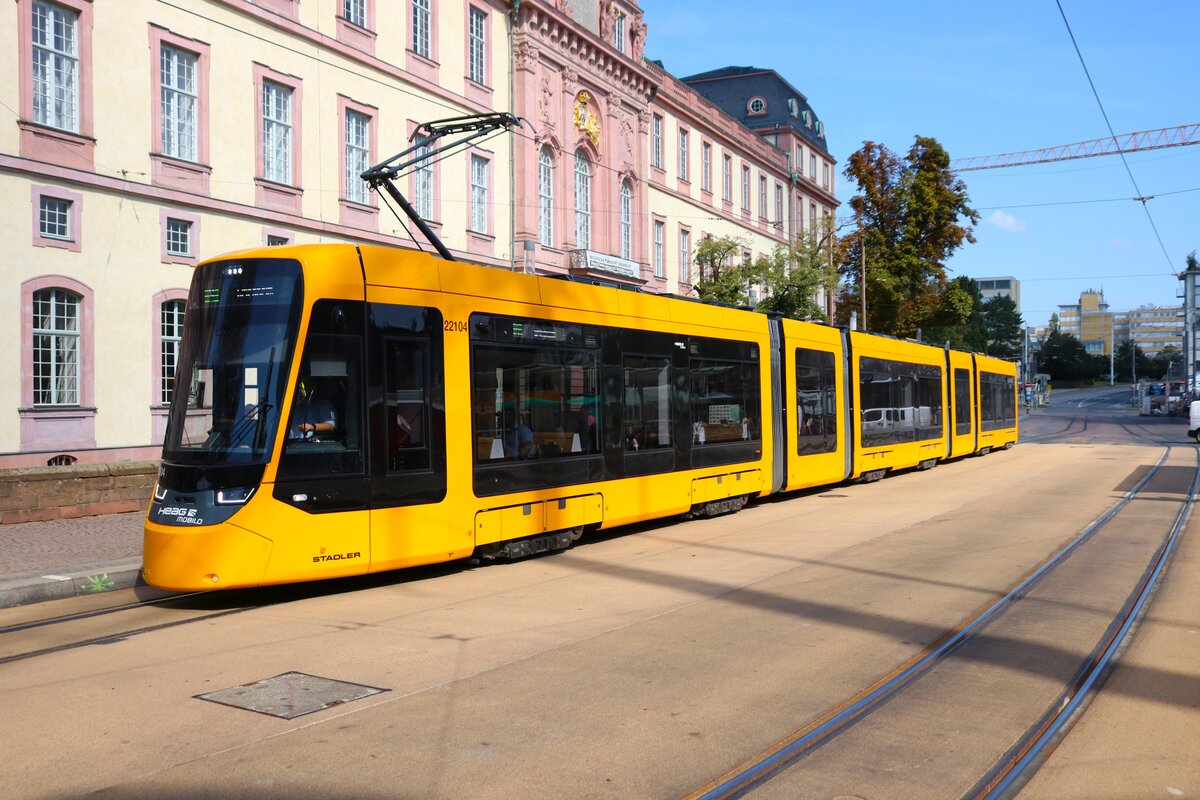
x,y
235,496
160,492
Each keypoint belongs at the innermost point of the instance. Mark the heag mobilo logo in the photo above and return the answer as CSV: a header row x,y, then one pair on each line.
x,y
181,515
334,557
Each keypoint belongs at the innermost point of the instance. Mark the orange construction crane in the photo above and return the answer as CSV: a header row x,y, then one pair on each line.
x,y
1158,139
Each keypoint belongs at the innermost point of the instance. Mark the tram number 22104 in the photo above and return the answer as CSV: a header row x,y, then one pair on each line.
x,y
454,326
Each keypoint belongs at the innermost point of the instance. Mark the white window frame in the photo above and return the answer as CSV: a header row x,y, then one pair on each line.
x,y
745,188
626,221
55,66
357,156
179,237
762,196
656,142
706,167
170,337
355,12
619,31
727,179
56,360
479,194
546,197
477,46
683,154
583,201
61,209
422,22
660,233
423,184
277,131
180,102
685,256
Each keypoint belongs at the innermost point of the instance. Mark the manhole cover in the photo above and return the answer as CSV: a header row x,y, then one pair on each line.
x,y
290,695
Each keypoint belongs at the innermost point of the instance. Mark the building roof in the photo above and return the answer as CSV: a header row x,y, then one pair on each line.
x,y
733,88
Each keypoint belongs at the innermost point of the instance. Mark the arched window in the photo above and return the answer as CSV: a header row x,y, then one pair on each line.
x,y
626,220
545,198
55,348
583,201
171,322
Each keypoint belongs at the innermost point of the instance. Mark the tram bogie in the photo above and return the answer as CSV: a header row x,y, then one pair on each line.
x,y
344,410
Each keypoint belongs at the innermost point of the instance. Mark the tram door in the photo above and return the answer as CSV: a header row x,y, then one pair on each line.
x,y
322,470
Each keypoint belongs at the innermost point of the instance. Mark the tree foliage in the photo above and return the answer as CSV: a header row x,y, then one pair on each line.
x,y
962,331
1130,362
791,277
1005,328
910,214
1065,358
720,273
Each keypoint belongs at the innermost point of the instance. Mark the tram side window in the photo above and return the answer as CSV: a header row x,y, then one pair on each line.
x,y
901,402
534,402
406,367
816,403
997,401
724,395
647,403
962,401
324,431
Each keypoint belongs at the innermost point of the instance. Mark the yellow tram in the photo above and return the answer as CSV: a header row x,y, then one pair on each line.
x,y
349,409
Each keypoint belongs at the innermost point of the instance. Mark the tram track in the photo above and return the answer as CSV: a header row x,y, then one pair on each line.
x,y
1016,765
58,634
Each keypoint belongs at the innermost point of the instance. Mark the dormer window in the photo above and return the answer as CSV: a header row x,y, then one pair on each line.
x,y
793,107
807,117
757,106
821,129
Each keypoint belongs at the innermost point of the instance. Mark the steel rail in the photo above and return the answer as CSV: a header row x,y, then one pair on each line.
x,y
117,636
1022,760
98,612
785,752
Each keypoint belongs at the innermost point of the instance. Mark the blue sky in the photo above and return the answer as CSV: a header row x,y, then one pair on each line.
x,y
989,78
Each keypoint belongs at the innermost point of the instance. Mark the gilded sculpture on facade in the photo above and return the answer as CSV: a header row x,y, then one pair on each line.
x,y
586,120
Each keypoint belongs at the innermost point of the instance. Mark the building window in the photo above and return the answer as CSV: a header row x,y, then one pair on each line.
x,y
825,174
178,96
812,165
727,179
762,196
746,189
355,12
479,194
683,154
757,106
55,66
476,44
171,331
277,132
358,151
546,198
659,237
685,255
55,348
275,240
179,237
421,27
619,31
778,203
626,220
706,167
583,201
54,218
656,140
423,183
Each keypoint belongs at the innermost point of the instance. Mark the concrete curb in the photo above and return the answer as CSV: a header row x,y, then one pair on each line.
x,y
24,591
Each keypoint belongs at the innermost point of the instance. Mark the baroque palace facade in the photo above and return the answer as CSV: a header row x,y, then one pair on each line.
x,y
144,136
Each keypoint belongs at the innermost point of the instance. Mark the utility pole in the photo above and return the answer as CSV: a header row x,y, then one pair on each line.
x,y
862,277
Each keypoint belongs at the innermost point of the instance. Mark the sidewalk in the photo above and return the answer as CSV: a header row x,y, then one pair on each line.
x,y
66,557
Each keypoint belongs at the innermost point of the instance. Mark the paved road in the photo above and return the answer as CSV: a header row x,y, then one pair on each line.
x,y
641,664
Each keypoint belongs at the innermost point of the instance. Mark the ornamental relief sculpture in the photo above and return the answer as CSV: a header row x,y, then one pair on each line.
x,y
546,105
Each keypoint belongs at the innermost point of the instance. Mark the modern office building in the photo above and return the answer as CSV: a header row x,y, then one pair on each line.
x,y
1090,322
1006,286
146,136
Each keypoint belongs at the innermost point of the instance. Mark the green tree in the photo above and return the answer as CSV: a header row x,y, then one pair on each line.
x,y
909,214
961,331
1167,363
720,273
792,276
1005,328
1065,358
1054,321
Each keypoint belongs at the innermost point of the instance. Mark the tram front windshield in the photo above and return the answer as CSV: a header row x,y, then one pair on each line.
x,y
239,335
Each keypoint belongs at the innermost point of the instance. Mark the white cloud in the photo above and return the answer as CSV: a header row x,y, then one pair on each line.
x,y
1006,222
